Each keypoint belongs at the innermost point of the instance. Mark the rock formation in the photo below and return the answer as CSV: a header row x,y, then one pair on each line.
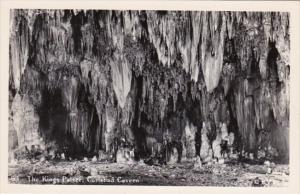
x,y
81,78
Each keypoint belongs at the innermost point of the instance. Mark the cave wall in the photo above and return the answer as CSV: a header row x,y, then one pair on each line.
x,y
80,78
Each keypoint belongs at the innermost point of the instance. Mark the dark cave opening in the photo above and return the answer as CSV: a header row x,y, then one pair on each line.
x,y
52,116
91,125
55,124
273,55
76,22
233,123
138,132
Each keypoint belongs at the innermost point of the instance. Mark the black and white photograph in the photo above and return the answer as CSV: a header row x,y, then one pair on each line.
x,y
149,97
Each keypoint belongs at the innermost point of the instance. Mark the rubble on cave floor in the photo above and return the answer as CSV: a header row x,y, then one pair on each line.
x,y
139,173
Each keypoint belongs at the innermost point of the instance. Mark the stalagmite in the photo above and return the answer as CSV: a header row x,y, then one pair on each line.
x,y
190,131
205,146
216,145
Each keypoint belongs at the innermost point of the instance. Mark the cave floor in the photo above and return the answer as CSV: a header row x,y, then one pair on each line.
x,y
184,174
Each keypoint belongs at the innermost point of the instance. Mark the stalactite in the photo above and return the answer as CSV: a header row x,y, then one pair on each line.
x,y
121,75
212,48
19,47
